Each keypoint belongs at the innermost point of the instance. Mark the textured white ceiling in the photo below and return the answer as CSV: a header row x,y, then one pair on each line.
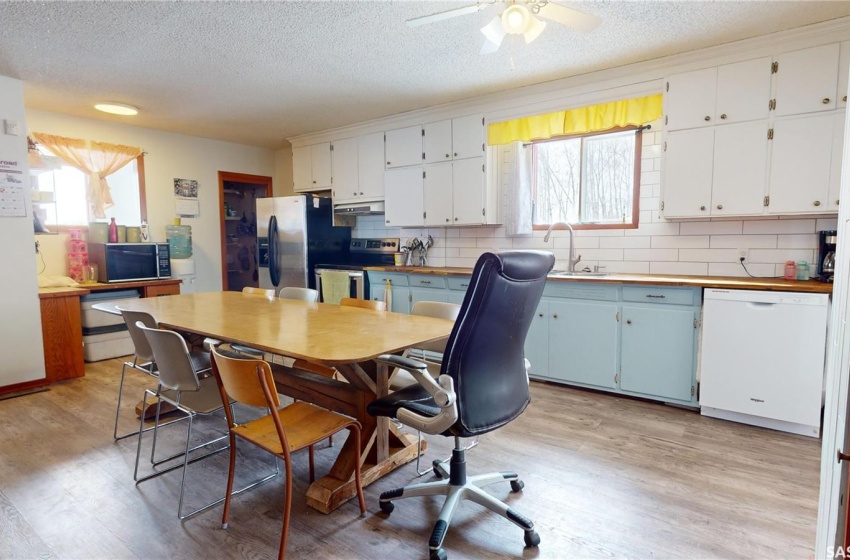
x,y
257,73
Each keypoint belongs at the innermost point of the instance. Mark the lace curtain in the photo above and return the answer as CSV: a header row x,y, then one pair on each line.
x,y
97,160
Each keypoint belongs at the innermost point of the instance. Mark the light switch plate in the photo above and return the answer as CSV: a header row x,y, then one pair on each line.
x,y
11,127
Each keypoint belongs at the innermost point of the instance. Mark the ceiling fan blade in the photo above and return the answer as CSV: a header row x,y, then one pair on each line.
x,y
534,29
489,47
440,16
569,17
494,31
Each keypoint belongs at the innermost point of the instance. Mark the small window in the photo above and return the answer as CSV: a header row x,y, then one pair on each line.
x,y
61,198
591,180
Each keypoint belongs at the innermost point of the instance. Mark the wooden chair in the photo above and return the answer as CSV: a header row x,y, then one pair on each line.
x,y
363,303
252,291
282,432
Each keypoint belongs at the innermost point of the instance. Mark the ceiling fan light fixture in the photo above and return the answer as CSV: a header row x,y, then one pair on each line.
x,y
494,32
515,19
116,108
534,29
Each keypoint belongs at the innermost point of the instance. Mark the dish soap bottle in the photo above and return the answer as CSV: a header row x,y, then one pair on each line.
x,y
113,231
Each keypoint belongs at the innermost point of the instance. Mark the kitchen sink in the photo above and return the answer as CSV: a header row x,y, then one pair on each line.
x,y
578,273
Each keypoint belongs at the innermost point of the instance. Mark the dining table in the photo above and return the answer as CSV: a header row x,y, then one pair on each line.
x,y
347,339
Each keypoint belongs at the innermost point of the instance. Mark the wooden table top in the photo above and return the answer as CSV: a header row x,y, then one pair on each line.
x,y
316,332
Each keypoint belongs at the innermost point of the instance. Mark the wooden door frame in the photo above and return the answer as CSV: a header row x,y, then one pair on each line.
x,y
232,177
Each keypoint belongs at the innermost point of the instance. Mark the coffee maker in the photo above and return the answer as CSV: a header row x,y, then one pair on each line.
x,y
826,254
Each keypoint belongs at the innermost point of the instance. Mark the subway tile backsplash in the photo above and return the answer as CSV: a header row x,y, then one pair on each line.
x,y
658,246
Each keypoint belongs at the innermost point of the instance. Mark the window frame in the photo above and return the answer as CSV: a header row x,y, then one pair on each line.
x,y
143,209
636,186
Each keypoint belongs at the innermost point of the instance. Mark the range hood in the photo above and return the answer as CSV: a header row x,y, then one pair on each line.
x,y
359,209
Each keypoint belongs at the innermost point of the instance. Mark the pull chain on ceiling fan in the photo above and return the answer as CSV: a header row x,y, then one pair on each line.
x,y
519,18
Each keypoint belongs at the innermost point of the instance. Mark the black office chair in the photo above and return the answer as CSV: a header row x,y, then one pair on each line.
x,y
482,386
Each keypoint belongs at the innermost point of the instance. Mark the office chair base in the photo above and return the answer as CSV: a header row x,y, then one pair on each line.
x,y
460,487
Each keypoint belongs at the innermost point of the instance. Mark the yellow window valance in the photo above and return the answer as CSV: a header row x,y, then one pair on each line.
x,y
626,112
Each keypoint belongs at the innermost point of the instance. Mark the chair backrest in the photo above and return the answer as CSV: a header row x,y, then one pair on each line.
x,y
172,358
364,303
252,291
485,351
242,380
304,294
439,310
140,342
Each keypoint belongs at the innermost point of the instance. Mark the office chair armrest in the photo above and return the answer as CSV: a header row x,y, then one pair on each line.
x,y
441,389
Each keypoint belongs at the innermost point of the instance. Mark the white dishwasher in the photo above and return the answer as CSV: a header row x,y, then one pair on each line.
x,y
762,358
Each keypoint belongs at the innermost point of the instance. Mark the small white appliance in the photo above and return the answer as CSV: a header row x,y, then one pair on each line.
x,y
184,269
762,358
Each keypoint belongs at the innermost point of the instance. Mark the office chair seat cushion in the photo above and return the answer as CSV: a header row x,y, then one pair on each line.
x,y
414,398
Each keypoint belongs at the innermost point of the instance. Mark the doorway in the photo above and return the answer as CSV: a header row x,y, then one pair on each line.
x,y
238,194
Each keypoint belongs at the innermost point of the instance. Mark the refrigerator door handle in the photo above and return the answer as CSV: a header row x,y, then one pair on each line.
x,y
274,264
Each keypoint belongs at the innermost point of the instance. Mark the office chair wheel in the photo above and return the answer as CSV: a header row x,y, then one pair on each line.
x,y
438,554
517,485
532,539
439,470
387,507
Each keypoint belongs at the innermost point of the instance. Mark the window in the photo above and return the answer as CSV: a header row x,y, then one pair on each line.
x,y
60,195
591,180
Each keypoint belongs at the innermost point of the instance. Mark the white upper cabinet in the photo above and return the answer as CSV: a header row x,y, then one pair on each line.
x,y
835,163
468,192
739,180
468,137
725,94
344,169
403,197
690,99
807,80
370,166
320,155
302,169
404,147
438,193
843,70
438,141
688,166
800,169
311,167
743,91
451,139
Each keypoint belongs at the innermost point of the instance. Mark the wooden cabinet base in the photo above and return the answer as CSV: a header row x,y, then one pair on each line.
x,y
62,334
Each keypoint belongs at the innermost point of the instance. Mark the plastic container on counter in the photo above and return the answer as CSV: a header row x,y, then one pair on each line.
x,y
790,270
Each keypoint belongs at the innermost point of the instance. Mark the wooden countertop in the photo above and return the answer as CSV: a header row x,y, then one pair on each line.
x,y
47,293
730,282
100,286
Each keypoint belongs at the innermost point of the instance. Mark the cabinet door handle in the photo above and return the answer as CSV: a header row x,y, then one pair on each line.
x,y
653,296
723,116
825,101
844,99
720,207
702,207
455,218
817,203
388,221
448,155
467,285
448,220
314,182
555,316
455,154
355,194
389,162
540,314
836,202
425,281
707,118
628,321
361,194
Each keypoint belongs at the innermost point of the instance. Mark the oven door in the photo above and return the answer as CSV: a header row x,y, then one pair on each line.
x,y
357,282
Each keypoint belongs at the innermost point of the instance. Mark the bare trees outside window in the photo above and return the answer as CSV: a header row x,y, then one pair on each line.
x,y
590,179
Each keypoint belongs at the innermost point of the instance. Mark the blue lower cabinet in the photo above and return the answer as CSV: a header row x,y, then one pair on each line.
x,y
400,290
583,342
537,342
658,351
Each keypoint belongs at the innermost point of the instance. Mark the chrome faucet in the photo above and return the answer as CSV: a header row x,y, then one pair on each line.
x,y
573,258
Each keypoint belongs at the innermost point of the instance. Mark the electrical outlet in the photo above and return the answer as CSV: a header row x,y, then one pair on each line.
x,y
743,255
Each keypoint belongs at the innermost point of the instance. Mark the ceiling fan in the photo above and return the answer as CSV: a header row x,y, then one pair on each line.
x,y
518,18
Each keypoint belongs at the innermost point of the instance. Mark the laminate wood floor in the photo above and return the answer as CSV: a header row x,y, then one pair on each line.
x,y
604,477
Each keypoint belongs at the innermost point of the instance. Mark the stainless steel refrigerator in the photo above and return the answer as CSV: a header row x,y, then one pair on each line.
x,y
293,234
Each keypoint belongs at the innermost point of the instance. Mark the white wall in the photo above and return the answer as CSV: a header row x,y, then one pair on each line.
x,y
21,349
167,156
657,246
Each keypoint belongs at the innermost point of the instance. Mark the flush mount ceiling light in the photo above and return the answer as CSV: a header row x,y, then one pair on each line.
x,y
517,19
116,108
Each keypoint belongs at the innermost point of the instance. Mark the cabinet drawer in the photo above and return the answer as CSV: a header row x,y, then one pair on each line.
x,y
162,290
657,294
458,283
427,281
382,277
575,290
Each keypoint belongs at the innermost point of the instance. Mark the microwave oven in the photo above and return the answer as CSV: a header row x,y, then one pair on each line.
x,y
129,262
